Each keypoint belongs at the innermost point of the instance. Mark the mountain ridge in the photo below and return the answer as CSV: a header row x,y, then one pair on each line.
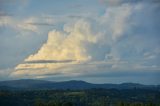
x,y
25,84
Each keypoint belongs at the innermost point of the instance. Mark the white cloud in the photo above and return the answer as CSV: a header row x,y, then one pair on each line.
x,y
116,21
4,21
66,46
29,24
91,48
18,25
25,26
60,46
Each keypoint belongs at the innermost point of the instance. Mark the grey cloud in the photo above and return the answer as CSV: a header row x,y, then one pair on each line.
x,y
120,2
112,77
75,16
52,74
47,61
4,14
30,69
129,73
41,24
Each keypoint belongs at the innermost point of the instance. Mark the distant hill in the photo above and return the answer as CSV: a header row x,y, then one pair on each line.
x,y
29,84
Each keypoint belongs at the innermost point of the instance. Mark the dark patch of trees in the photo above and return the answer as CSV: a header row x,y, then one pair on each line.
x,y
90,97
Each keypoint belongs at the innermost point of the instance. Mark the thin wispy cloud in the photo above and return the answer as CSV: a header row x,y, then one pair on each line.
x,y
41,24
47,61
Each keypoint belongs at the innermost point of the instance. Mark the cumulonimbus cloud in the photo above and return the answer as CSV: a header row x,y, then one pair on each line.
x,y
62,48
82,47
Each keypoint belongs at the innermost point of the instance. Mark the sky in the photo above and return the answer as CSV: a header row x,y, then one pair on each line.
x,y
98,41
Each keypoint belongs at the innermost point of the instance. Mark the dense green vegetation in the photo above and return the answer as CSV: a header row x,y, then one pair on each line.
x,y
90,97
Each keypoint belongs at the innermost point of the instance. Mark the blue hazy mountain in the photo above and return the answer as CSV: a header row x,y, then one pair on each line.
x,y
31,84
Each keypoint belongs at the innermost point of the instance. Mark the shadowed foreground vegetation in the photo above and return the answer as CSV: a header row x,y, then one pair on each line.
x,y
90,97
